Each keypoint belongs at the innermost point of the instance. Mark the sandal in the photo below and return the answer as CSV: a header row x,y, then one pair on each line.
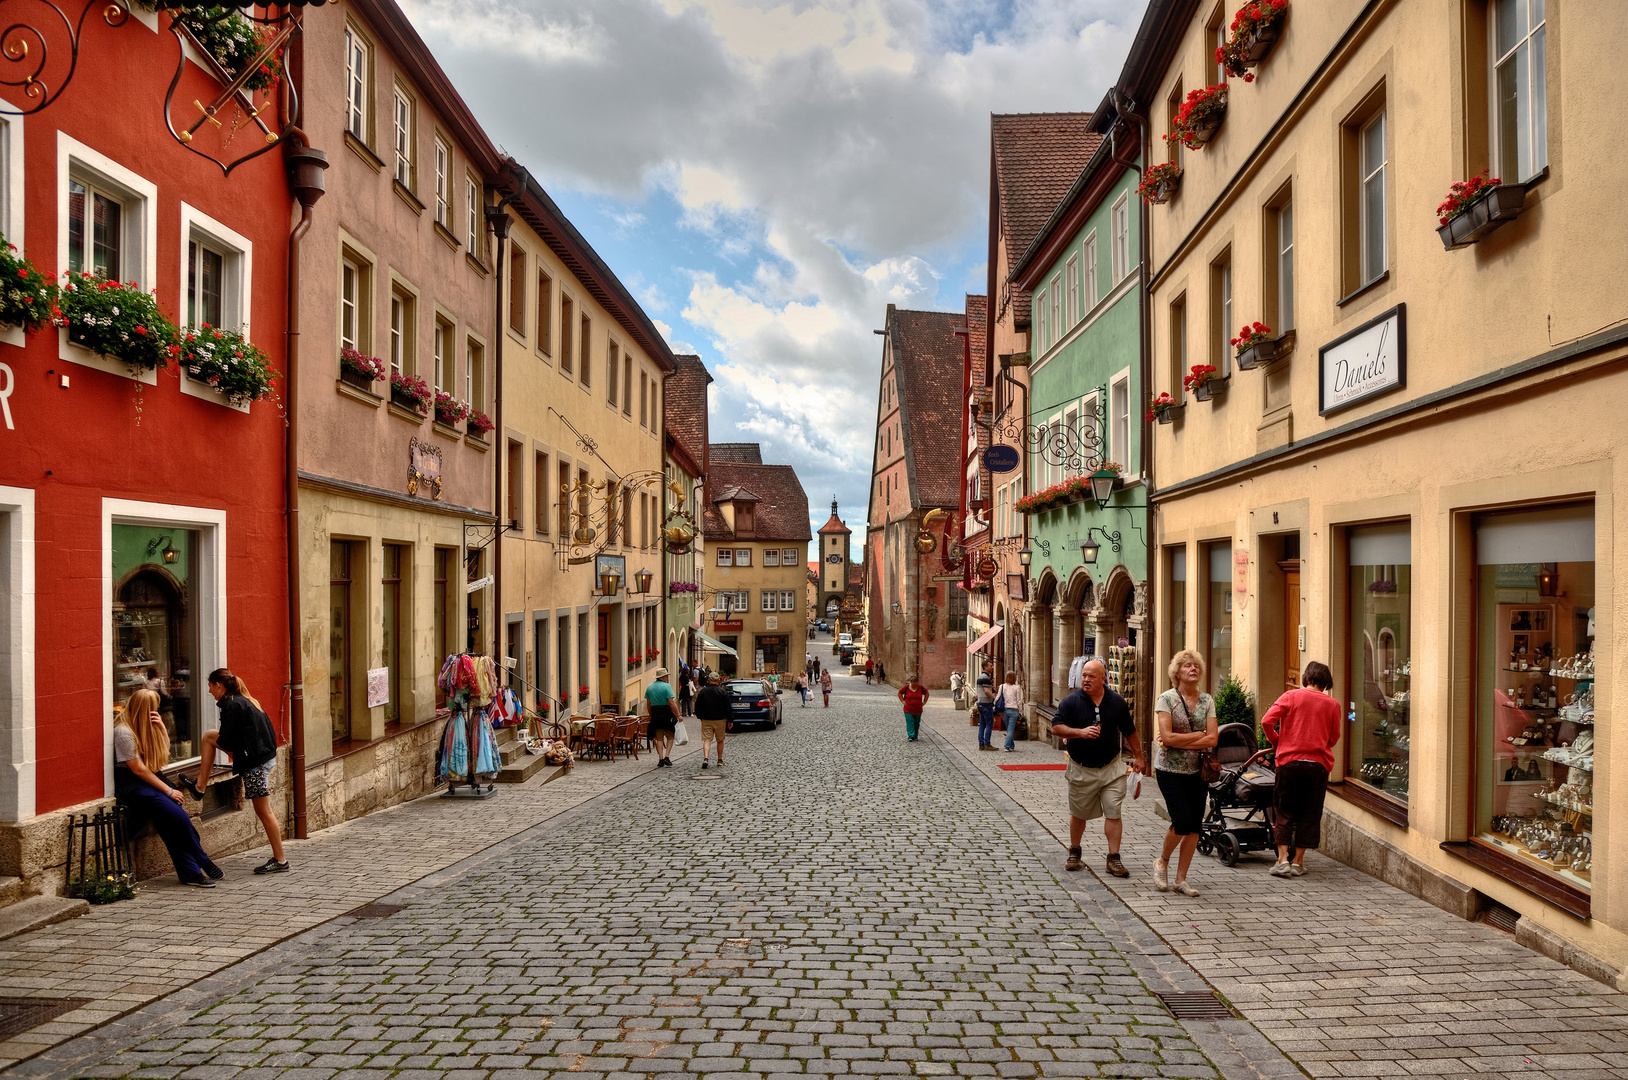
x,y
1184,888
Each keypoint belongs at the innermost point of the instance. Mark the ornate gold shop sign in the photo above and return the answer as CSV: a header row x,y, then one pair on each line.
x,y
424,469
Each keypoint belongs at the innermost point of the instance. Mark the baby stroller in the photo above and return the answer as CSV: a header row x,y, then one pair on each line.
x,y
1240,815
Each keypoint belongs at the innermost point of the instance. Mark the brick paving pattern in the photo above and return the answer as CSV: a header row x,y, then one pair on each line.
x,y
838,902
1347,975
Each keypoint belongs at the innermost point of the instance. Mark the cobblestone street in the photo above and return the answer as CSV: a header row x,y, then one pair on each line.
x,y
838,901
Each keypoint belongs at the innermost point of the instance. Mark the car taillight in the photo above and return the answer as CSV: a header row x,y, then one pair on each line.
x,y
764,704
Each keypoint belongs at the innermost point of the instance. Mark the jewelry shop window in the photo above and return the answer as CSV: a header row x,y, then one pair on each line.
x,y
155,627
1381,586
1535,627
1218,612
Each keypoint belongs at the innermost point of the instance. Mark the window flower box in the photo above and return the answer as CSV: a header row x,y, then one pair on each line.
x,y
1160,183
117,320
410,392
1165,409
228,362
1199,117
1476,207
1255,28
1257,348
449,410
479,424
1172,414
1205,382
28,298
358,370
1211,389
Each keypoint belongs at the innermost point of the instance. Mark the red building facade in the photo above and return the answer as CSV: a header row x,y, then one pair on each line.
x,y
141,511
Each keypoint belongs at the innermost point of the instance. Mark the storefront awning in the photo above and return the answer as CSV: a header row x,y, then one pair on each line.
x,y
714,645
986,638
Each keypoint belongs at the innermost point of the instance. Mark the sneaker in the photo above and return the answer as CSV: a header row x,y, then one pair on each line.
x,y
1010,749
1161,875
703,763
1282,870
272,866
186,784
720,763
1116,866
198,883
1074,862
1184,888
213,871
1297,870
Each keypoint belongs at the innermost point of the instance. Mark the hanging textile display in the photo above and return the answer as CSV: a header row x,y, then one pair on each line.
x,y
477,704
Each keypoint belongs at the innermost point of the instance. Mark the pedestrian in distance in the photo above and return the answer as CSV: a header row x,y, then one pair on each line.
x,y
986,706
870,672
246,736
1303,727
686,692
913,696
658,700
712,705
802,687
141,749
825,686
958,688
881,673
1187,727
1098,726
1012,702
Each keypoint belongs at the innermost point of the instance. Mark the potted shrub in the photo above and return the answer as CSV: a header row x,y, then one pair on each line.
x,y
1165,409
1160,183
1255,28
1256,347
358,370
1199,117
28,298
117,320
1204,382
449,410
228,361
410,392
1475,207
479,424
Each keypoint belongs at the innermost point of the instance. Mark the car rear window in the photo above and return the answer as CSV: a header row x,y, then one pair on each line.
x,y
746,688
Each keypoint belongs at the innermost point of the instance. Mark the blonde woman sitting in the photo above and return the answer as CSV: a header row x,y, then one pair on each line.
x,y
141,749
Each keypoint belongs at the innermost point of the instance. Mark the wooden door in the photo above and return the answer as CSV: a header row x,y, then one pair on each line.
x,y
1291,624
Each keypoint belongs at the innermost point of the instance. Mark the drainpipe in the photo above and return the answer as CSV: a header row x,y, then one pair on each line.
x,y
306,166
497,217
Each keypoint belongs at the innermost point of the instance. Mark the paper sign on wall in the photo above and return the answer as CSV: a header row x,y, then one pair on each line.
x,y
378,687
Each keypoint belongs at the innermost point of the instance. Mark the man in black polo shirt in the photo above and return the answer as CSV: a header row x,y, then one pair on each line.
x,y
1094,719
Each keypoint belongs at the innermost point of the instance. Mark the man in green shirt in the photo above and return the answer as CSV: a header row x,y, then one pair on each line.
x,y
658,699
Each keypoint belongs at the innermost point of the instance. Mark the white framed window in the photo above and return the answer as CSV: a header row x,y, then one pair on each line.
x,y
400,331
770,600
107,223
472,207
1037,318
11,200
1091,271
726,556
17,648
475,374
743,556
1119,419
217,276
443,349
1000,512
788,556
1122,239
404,139
1073,273
1056,308
443,184
1371,199
788,600
1520,116
358,68
355,276
1225,330
771,556
1285,246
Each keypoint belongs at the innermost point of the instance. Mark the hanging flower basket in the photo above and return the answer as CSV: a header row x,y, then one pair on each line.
x,y
410,392
27,297
228,361
1160,183
1255,28
117,320
1165,409
1256,347
1205,382
1476,207
1199,117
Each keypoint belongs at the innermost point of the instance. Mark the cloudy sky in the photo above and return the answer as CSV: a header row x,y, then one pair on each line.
x,y
767,175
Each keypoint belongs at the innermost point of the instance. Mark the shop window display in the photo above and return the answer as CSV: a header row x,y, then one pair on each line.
x,y
1218,632
1535,689
155,626
1381,583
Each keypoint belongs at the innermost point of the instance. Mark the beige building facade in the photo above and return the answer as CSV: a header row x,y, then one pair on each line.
x,y
757,532
581,470
1420,488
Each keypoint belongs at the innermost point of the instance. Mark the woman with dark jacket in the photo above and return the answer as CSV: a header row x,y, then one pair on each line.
x,y
245,736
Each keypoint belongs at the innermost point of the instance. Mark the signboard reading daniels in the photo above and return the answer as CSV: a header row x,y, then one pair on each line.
x,y
1368,361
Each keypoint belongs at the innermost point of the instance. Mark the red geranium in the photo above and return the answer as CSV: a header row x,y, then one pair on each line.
x,y
1233,54
1251,335
1465,194
1199,375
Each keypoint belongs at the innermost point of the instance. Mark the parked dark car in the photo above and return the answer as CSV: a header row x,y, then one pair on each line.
x,y
752,701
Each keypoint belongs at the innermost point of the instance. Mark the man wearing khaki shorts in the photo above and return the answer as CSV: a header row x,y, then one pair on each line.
x,y
1094,720
712,706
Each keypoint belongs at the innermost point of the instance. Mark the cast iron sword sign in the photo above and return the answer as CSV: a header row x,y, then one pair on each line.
x,y
1368,361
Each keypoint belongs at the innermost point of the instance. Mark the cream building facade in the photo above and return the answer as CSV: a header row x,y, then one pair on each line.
x,y
581,469
1420,490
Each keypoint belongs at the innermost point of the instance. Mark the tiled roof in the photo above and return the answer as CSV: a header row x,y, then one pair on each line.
x,y
929,355
686,393
1037,157
834,525
744,453
782,509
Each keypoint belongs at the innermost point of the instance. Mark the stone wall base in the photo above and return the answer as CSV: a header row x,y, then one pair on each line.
x,y
381,774
1363,851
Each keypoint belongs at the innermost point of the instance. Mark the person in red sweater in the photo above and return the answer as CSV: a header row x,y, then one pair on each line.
x,y
1303,726
913,696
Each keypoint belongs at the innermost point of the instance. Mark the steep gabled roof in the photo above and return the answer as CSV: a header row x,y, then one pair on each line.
x,y
835,525
929,357
1034,159
686,401
745,453
781,512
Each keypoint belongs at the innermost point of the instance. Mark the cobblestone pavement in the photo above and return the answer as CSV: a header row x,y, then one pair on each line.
x,y
1346,974
120,956
838,901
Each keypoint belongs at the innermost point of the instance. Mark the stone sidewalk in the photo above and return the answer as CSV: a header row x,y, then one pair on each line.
x,y
1347,975
121,956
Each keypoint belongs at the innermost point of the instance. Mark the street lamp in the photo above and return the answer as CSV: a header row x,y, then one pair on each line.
x,y
1025,556
1102,487
1088,552
642,579
1090,549
609,582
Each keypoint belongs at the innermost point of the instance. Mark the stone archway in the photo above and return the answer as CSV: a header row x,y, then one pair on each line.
x,y
1041,675
1068,620
1121,612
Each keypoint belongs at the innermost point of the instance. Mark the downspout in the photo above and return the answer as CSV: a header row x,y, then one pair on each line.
x,y
497,217
306,166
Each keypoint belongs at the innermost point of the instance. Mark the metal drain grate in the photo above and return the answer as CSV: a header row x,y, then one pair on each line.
x,y
18,1015
1196,1005
375,911
1501,917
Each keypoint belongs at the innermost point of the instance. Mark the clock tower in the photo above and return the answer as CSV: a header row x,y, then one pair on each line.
x,y
833,568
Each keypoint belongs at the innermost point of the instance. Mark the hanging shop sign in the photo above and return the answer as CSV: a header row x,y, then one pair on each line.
x,y
1001,459
424,469
1369,361
988,567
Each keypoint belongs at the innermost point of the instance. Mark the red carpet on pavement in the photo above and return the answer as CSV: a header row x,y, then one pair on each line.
x,y
1034,768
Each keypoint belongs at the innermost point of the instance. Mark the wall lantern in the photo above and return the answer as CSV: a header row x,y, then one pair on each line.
x,y
170,554
1025,556
642,579
1088,552
609,584
1102,487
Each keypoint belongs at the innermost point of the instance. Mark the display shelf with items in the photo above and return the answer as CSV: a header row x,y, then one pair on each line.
x,y
1122,673
1385,750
